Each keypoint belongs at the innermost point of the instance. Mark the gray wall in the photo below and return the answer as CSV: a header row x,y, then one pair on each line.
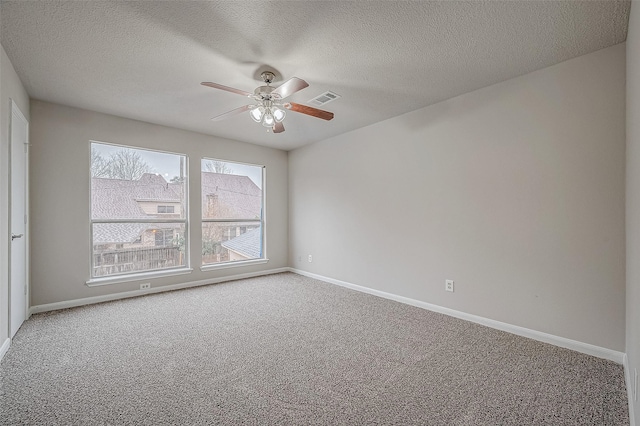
x,y
60,196
515,191
633,195
10,88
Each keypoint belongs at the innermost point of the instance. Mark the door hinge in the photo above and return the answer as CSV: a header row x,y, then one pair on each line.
x,y
25,219
25,289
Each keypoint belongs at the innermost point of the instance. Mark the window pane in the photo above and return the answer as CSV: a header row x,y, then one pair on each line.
x,y
130,183
231,190
136,185
121,248
166,209
230,242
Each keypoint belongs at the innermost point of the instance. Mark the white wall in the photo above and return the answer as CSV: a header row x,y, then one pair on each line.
x,y
515,191
633,197
10,88
60,178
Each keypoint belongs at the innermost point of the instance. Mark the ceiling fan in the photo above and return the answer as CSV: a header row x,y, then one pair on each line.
x,y
269,109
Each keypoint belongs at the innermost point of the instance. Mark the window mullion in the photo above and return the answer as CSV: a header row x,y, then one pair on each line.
x,y
146,220
229,220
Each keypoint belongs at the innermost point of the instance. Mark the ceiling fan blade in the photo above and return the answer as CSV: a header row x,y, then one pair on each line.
x,y
290,87
278,127
231,113
304,109
228,89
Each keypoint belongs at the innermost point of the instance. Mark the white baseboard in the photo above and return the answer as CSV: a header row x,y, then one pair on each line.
x,y
135,293
563,342
629,382
5,347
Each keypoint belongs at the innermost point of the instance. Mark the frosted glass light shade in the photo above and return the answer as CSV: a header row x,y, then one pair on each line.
x,y
268,120
256,114
278,114
267,116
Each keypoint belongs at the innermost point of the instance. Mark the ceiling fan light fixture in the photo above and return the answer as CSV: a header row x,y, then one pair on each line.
x,y
278,114
257,113
268,120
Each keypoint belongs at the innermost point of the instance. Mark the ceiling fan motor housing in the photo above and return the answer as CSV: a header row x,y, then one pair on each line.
x,y
264,92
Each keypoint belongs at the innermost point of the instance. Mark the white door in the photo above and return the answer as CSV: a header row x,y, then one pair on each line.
x,y
19,183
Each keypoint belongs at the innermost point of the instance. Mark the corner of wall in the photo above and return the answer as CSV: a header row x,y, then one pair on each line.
x,y
632,319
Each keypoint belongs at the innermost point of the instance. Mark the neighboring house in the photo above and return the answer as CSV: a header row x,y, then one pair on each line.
x,y
227,196
148,197
124,247
136,246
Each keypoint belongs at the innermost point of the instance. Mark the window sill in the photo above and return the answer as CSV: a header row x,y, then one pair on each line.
x,y
233,264
95,282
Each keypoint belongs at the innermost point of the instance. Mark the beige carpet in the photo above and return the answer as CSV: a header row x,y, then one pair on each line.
x,y
286,349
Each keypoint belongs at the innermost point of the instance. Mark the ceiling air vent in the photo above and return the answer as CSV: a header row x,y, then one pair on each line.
x,y
324,98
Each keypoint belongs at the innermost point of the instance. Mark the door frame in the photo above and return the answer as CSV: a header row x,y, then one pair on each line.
x,y
17,113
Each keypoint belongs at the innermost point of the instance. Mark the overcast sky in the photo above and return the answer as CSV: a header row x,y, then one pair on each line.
x,y
168,165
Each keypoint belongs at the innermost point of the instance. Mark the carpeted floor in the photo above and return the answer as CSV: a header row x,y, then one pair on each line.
x,y
286,349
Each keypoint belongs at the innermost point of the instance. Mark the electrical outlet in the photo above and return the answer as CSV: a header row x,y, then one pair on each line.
x,y
145,286
448,285
310,259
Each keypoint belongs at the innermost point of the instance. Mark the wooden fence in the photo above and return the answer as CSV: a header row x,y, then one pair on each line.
x,y
119,261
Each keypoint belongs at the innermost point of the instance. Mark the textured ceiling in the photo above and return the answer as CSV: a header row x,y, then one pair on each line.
x,y
145,60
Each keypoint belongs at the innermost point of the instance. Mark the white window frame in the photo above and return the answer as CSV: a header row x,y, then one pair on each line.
x,y
263,221
149,273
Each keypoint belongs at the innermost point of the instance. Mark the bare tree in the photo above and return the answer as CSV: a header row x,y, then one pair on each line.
x,y
127,164
123,164
99,166
216,166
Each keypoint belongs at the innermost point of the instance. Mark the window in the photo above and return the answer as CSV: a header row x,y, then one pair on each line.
x,y
232,212
138,210
164,237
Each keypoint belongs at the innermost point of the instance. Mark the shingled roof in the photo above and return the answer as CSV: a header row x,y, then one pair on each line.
x,y
117,233
234,197
247,244
118,199
237,197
